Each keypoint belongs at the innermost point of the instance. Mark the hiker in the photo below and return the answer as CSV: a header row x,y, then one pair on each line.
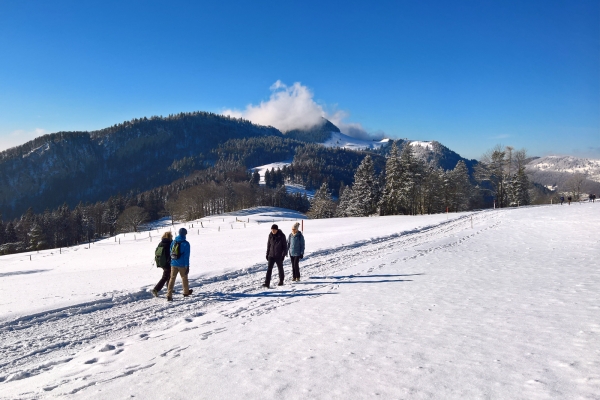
x,y
295,246
276,252
593,197
590,197
162,256
180,264
562,200
569,199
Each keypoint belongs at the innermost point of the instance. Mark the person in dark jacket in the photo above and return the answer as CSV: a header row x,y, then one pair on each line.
x,y
180,266
276,252
295,245
165,243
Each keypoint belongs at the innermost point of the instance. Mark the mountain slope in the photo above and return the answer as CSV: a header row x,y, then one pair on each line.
x,y
88,166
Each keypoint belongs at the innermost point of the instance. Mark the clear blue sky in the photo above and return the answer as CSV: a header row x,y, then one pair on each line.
x,y
470,74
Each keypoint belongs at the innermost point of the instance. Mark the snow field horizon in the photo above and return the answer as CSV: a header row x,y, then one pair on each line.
x,y
394,307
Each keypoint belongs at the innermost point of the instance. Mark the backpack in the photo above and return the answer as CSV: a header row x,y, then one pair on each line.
x,y
175,252
160,256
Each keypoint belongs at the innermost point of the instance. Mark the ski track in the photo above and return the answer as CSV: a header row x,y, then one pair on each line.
x,y
54,337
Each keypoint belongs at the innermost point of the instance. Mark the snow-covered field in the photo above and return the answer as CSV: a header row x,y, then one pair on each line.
x,y
498,304
567,164
341,140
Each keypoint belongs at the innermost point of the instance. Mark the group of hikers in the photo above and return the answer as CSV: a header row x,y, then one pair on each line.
x,y
173,256
591,198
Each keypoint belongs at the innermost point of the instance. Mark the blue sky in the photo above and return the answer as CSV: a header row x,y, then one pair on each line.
x,y
470,74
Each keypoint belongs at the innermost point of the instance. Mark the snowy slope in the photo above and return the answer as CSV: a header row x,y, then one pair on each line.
x,y
339,139
289,187
567,164
499,304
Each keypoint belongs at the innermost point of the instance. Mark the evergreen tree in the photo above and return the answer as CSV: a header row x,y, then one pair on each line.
x,y
37,239
255,177
2,233
10,233
322,205
364,191
459,187
345,196
519,189
390,201
412,177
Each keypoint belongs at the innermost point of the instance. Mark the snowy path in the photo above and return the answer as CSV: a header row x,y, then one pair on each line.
x,y
33,343
390,307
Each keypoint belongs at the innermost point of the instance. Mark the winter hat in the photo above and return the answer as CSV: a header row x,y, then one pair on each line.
x,y
182,232
274,226
296,225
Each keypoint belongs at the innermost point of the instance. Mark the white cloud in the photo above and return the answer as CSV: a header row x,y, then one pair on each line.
x,y
293,107
19,137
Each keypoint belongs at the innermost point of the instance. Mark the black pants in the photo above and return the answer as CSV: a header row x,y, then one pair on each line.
x,y
295,266
164,280
279,262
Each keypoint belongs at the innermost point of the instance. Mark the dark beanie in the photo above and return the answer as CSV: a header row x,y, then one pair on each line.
x,y
182,232
274,226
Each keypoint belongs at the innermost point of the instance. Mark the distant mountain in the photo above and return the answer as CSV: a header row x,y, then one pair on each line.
x,y
338,139
317,134
135,155
556,172
142,154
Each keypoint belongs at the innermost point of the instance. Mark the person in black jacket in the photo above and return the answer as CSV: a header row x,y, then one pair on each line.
x,y
276,252
165,243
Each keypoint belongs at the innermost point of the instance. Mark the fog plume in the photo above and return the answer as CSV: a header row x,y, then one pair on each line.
x,y
293,107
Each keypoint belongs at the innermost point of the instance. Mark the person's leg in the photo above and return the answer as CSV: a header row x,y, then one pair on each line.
x,y
184,280
294,261
279,262
269,271
297,268
174,271
164,279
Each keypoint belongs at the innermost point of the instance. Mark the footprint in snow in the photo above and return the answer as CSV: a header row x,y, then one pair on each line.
x,y
107,347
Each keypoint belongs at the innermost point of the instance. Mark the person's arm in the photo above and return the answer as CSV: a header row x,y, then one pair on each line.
x,y
268,246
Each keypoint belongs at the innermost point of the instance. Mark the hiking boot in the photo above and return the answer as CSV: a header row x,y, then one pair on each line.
x,y
265,285
189,292
154,292
280,283
169,298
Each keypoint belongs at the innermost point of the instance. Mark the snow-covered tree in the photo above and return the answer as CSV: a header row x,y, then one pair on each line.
x,y
345,196
364,191
519,189
390,200
459,187
322,205
412,178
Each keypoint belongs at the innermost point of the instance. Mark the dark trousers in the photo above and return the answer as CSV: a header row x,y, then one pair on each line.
x,y
164,280
279,262
295,266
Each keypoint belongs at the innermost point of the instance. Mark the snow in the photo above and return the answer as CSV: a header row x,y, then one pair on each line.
x,y
490,304
289,187
263,168
341,140
568,164
425,145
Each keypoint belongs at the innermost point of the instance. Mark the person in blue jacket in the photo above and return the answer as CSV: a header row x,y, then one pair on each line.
x,y
180,264
295,245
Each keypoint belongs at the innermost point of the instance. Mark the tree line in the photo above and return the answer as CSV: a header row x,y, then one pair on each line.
x,y
409,185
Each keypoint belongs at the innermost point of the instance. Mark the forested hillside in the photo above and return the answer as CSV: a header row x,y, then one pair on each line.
x,y
137,155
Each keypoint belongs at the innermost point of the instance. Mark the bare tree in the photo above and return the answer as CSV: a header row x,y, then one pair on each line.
x,y
131,219
575,185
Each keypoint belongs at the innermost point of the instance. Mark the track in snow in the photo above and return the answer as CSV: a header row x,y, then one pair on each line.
x,y
35,343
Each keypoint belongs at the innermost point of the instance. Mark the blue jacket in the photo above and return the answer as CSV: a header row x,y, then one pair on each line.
x,y
295,244
184,249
